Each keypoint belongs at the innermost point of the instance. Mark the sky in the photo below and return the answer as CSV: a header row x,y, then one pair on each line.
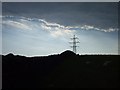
x,y
42,29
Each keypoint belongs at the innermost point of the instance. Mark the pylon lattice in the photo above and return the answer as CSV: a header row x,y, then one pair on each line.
x,y
74,43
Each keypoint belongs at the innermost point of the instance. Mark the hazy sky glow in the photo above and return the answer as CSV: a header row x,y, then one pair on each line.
x,y
46,28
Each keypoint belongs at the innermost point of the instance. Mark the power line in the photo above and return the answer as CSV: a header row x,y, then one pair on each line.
x,y
74,43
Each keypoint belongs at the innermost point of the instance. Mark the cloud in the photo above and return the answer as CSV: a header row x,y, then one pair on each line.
x,y
17,24
103,15
24,23
57,30
48,24
54,29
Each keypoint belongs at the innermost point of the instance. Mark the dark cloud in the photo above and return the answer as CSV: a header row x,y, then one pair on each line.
x,y
102,15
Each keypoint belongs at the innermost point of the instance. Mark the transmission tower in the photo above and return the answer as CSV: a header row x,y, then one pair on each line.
x,y
74,43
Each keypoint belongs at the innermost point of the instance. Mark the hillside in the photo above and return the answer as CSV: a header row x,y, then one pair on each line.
x,y
65,70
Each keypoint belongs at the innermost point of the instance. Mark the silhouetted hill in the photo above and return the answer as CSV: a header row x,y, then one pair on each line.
x,y
68,53
65,70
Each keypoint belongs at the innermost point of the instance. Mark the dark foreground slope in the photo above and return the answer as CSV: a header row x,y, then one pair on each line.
x,y
66,70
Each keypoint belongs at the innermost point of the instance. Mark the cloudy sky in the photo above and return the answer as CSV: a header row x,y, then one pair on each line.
x,y
46,28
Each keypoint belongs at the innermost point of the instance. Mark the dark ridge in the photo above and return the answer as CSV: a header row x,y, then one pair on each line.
x,y
10,55
65,70
68,53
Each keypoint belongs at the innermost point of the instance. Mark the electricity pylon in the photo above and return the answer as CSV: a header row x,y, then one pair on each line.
x,y
74,43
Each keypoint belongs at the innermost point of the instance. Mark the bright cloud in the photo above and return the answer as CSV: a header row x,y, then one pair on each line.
x,y
17,24
54,29
24,23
